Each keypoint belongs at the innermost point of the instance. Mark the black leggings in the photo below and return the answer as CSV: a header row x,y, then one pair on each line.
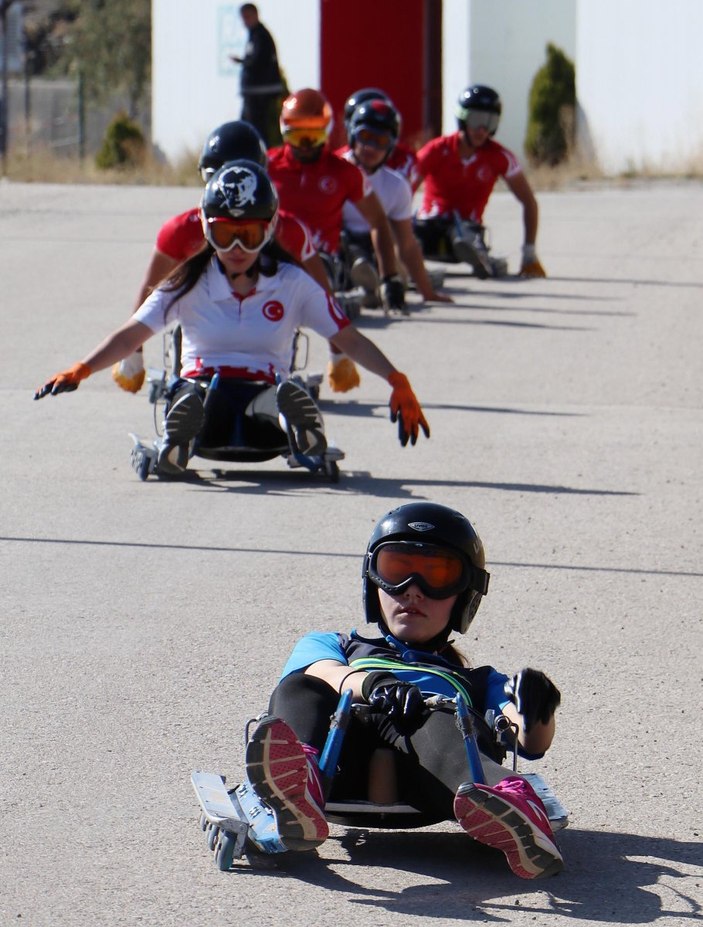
x,y
431,764
238,414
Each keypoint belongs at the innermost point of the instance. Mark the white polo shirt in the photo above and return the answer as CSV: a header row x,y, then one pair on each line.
x,y
392,189
253,332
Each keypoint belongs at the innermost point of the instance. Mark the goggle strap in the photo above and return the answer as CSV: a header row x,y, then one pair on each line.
x,y
480,579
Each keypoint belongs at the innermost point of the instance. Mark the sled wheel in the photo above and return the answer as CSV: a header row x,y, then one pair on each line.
x,y
332,471
212,836
203,822
224,852
143,466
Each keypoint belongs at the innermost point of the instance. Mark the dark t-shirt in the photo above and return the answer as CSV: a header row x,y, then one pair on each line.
x,y
260,72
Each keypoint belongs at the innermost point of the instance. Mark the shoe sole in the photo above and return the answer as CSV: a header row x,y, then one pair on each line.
x,y
301,414
277,768
184,419
490,819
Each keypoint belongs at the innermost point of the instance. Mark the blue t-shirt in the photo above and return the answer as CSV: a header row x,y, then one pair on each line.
x,y
482,686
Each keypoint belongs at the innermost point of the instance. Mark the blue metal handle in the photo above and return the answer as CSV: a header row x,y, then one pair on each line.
x,y
335,738
467,732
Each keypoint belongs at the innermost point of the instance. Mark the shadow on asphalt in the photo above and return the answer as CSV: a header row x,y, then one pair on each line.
x,y
609,878
367,409
374,323
680,284
231,549
362,482
453,271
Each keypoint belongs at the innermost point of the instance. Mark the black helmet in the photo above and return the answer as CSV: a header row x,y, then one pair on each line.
x,y
230,142
377,115
479,98
240,190
431,523
361,96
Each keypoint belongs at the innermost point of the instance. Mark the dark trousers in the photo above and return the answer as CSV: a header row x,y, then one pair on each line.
x,y
238,415
435,236
260,111
431,764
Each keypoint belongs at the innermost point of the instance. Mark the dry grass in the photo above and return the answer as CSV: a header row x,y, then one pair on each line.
x,y
564,175
45,166
578,170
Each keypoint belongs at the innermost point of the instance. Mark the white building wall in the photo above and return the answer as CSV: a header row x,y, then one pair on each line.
x,y
639,80
502,45
639,69
456,21
194,84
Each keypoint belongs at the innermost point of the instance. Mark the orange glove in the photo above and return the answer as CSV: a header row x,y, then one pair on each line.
x,y
342,374
65,381
531,266
406,410
129,373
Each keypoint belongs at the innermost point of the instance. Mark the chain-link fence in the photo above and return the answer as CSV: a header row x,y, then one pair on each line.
x,y
49,115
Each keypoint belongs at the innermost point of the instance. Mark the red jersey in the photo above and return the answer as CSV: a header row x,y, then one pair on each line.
x,y
454,184
182,236
294,236
316,191
403,159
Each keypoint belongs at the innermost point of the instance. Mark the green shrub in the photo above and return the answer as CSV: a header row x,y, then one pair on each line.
x,y
552,103
123,145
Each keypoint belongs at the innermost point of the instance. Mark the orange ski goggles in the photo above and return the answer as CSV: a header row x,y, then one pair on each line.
x,y
439,571
304,136
250,234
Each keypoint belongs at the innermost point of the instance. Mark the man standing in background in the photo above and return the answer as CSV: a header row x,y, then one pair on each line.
x,y
261,83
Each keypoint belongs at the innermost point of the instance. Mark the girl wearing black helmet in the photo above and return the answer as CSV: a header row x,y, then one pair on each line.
x,y
239,302
423,578
460,171
182,236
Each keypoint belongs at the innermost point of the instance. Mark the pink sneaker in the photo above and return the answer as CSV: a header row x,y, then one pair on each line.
x,y
510,817
284,774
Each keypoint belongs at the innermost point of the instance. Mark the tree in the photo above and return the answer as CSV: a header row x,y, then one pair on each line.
x,y
109,42
552,102
46,30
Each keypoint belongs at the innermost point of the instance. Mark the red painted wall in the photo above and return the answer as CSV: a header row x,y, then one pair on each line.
x,y
375,43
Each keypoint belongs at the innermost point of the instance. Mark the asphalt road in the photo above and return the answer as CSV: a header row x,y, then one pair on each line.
x,y
143,623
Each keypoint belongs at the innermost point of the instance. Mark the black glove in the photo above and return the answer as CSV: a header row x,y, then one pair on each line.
x,y
393,292
402,702
535,696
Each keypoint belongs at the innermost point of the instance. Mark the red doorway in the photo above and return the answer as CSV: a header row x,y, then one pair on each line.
x,y
381,43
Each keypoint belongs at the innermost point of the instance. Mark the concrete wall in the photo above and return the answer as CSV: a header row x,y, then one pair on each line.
x,y
639,69
195,86
639,81
502,46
